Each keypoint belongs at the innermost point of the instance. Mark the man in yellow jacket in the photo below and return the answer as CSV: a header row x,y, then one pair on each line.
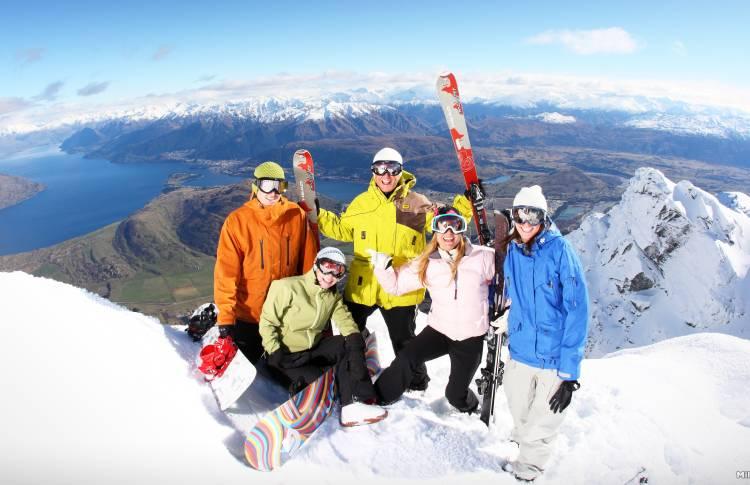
x,y
388,218
266,239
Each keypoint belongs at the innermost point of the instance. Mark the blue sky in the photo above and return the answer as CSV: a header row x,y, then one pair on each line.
x,y
77,51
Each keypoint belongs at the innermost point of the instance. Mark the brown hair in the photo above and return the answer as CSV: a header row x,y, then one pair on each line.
x,y
423,260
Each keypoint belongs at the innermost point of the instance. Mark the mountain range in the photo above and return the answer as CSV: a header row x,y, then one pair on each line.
x,y
668,260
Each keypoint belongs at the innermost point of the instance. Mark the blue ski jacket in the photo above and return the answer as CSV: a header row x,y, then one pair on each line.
x,y
549,312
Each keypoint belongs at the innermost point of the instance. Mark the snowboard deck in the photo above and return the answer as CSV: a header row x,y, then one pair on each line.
x,y
235,380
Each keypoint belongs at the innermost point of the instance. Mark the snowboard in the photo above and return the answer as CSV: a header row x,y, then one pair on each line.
x,y
450,101
280,434
236,379
304,179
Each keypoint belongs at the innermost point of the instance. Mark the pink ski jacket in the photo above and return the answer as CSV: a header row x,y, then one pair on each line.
x,y
460,307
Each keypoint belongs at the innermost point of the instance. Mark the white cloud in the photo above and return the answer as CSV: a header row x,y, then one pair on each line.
x,y
510,88
27,56
613,40
93,88
50,92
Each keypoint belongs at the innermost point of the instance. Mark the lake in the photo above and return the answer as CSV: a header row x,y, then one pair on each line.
x,y
83,195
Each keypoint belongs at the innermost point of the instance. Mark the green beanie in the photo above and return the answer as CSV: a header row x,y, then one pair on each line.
x,y
269,170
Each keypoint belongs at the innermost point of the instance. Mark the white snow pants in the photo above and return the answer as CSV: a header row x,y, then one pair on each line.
x,y
529,390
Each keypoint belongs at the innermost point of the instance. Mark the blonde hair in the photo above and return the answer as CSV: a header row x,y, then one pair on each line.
x,y
423,260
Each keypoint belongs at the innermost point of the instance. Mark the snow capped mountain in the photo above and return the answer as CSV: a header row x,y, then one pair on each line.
x,y
555,118
689,123
94,393
737,201
668,260
550,100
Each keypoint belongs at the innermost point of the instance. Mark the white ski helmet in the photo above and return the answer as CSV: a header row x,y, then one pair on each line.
x,y
387,154
530,197
332,253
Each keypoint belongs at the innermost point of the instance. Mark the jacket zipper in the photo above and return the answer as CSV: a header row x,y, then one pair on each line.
x,y
287,250
455,288
262,264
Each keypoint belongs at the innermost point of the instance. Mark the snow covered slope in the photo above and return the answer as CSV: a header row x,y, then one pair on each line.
x,y
668,260
94,393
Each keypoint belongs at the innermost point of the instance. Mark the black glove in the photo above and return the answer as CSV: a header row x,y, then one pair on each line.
x,y
275,358
354,345
317,207
226,331
475,193
562,397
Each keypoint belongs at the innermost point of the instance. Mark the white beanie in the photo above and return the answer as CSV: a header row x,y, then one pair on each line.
x,y
334,254
531,197
387,155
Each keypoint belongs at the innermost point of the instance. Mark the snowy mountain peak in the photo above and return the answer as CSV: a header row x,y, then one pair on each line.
x,y
667,260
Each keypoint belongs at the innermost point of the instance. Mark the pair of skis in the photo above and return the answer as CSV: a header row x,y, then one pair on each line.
x,y
492,373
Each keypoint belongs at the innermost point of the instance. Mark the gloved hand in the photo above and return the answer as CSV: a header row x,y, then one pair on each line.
x,y
317,207
226,331
215,357
462,203
379,260
501,323
562,397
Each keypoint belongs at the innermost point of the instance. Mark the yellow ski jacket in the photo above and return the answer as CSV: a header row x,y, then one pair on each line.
x,y
397,225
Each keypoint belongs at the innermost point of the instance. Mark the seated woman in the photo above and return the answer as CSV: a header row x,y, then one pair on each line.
x,y
457,275
295,313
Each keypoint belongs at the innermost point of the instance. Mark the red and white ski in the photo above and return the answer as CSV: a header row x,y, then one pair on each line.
x,y
447,90
304,178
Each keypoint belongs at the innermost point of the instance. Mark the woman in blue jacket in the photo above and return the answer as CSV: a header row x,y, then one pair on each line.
x,y
547,329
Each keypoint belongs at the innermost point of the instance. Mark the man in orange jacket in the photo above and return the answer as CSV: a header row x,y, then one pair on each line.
x,y
266,239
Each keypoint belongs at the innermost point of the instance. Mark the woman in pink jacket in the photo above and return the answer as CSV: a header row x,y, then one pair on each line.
x,y
458,275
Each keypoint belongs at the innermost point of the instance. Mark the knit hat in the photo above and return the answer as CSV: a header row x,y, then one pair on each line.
x,y
530,197
334,254
387,155
269,170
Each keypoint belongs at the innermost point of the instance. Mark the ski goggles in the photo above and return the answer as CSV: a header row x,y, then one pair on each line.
x,y
454,222
381,168
272,185
529,215
328,266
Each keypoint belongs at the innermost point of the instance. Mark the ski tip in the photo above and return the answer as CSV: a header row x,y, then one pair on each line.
x,y
445,74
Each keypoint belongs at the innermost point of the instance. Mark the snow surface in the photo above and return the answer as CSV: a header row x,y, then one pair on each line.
x,y
95,393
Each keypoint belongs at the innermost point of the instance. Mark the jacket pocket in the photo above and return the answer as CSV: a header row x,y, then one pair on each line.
x,y
548,340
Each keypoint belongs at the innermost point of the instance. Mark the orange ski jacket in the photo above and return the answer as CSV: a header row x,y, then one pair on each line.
x,y
258,245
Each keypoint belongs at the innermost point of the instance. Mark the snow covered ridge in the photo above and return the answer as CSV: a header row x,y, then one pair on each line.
x,y
708,124
668,260
112,397
555,118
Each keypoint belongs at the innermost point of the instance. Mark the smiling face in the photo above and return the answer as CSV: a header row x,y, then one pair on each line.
x,y
325,280
268,199
447,240
526,231
387,182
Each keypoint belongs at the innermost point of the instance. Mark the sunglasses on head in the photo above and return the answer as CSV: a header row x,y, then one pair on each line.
x,y
328,266
454,222
271,185
529,215
381,168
